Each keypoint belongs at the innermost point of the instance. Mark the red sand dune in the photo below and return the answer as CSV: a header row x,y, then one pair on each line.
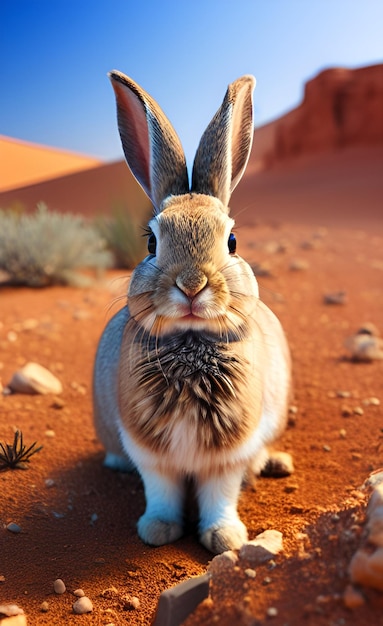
x,y
95,191
343,186
24,163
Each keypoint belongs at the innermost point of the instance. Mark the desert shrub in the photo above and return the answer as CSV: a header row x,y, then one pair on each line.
x,y
46,248
122,234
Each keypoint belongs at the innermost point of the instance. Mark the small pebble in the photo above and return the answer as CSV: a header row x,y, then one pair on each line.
x,y
343,394
58,403
59,586
291,488
83,605
368,328
346,411
298,265
365,345
272,612
49,482
267,580
352,598
13,527
79,593
223,561
251,573
371,401
327,448
34,378
342,433
358,410
131,603
337,297
44,607
29,324
263,548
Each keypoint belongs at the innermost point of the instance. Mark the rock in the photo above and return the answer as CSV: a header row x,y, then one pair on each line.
x,y
58,403
59,586
263,548
352,598
365,572
223,561
10,610
336,297
79,593
250,573
368,328
371,401
83,605
374,479
376,501
16,620
176,604
13,527
298,265
376,564
34,378
131,603
365,345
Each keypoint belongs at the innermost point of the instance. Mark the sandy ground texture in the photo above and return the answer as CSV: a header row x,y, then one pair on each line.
x,y
77,519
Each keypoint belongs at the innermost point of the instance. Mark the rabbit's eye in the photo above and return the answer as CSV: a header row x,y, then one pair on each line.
x,y
232,243
152,243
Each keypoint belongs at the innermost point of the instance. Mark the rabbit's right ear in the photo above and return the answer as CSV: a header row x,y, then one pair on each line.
x,y
225,146
151,146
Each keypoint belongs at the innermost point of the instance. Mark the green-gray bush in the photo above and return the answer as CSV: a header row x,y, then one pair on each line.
x,y
121,233
46,247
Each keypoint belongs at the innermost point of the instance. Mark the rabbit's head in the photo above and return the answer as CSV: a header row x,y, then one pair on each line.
x,y
192,278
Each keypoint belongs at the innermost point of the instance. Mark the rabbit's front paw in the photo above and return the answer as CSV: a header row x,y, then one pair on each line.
x,y
157,532
217,539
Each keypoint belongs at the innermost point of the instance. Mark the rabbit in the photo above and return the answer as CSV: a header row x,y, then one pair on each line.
x,y
191,377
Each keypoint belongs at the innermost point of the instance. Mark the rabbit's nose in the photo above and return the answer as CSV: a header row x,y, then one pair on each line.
x,y
191,285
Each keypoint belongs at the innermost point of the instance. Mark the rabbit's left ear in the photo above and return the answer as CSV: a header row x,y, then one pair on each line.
x,y
225,146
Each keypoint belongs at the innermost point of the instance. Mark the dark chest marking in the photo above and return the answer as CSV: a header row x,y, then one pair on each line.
x,y
186,378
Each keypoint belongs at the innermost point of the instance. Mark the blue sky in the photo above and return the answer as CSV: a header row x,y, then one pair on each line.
x,y
54,56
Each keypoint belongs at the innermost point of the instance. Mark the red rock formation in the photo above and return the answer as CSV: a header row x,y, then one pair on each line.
x,y
340,107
